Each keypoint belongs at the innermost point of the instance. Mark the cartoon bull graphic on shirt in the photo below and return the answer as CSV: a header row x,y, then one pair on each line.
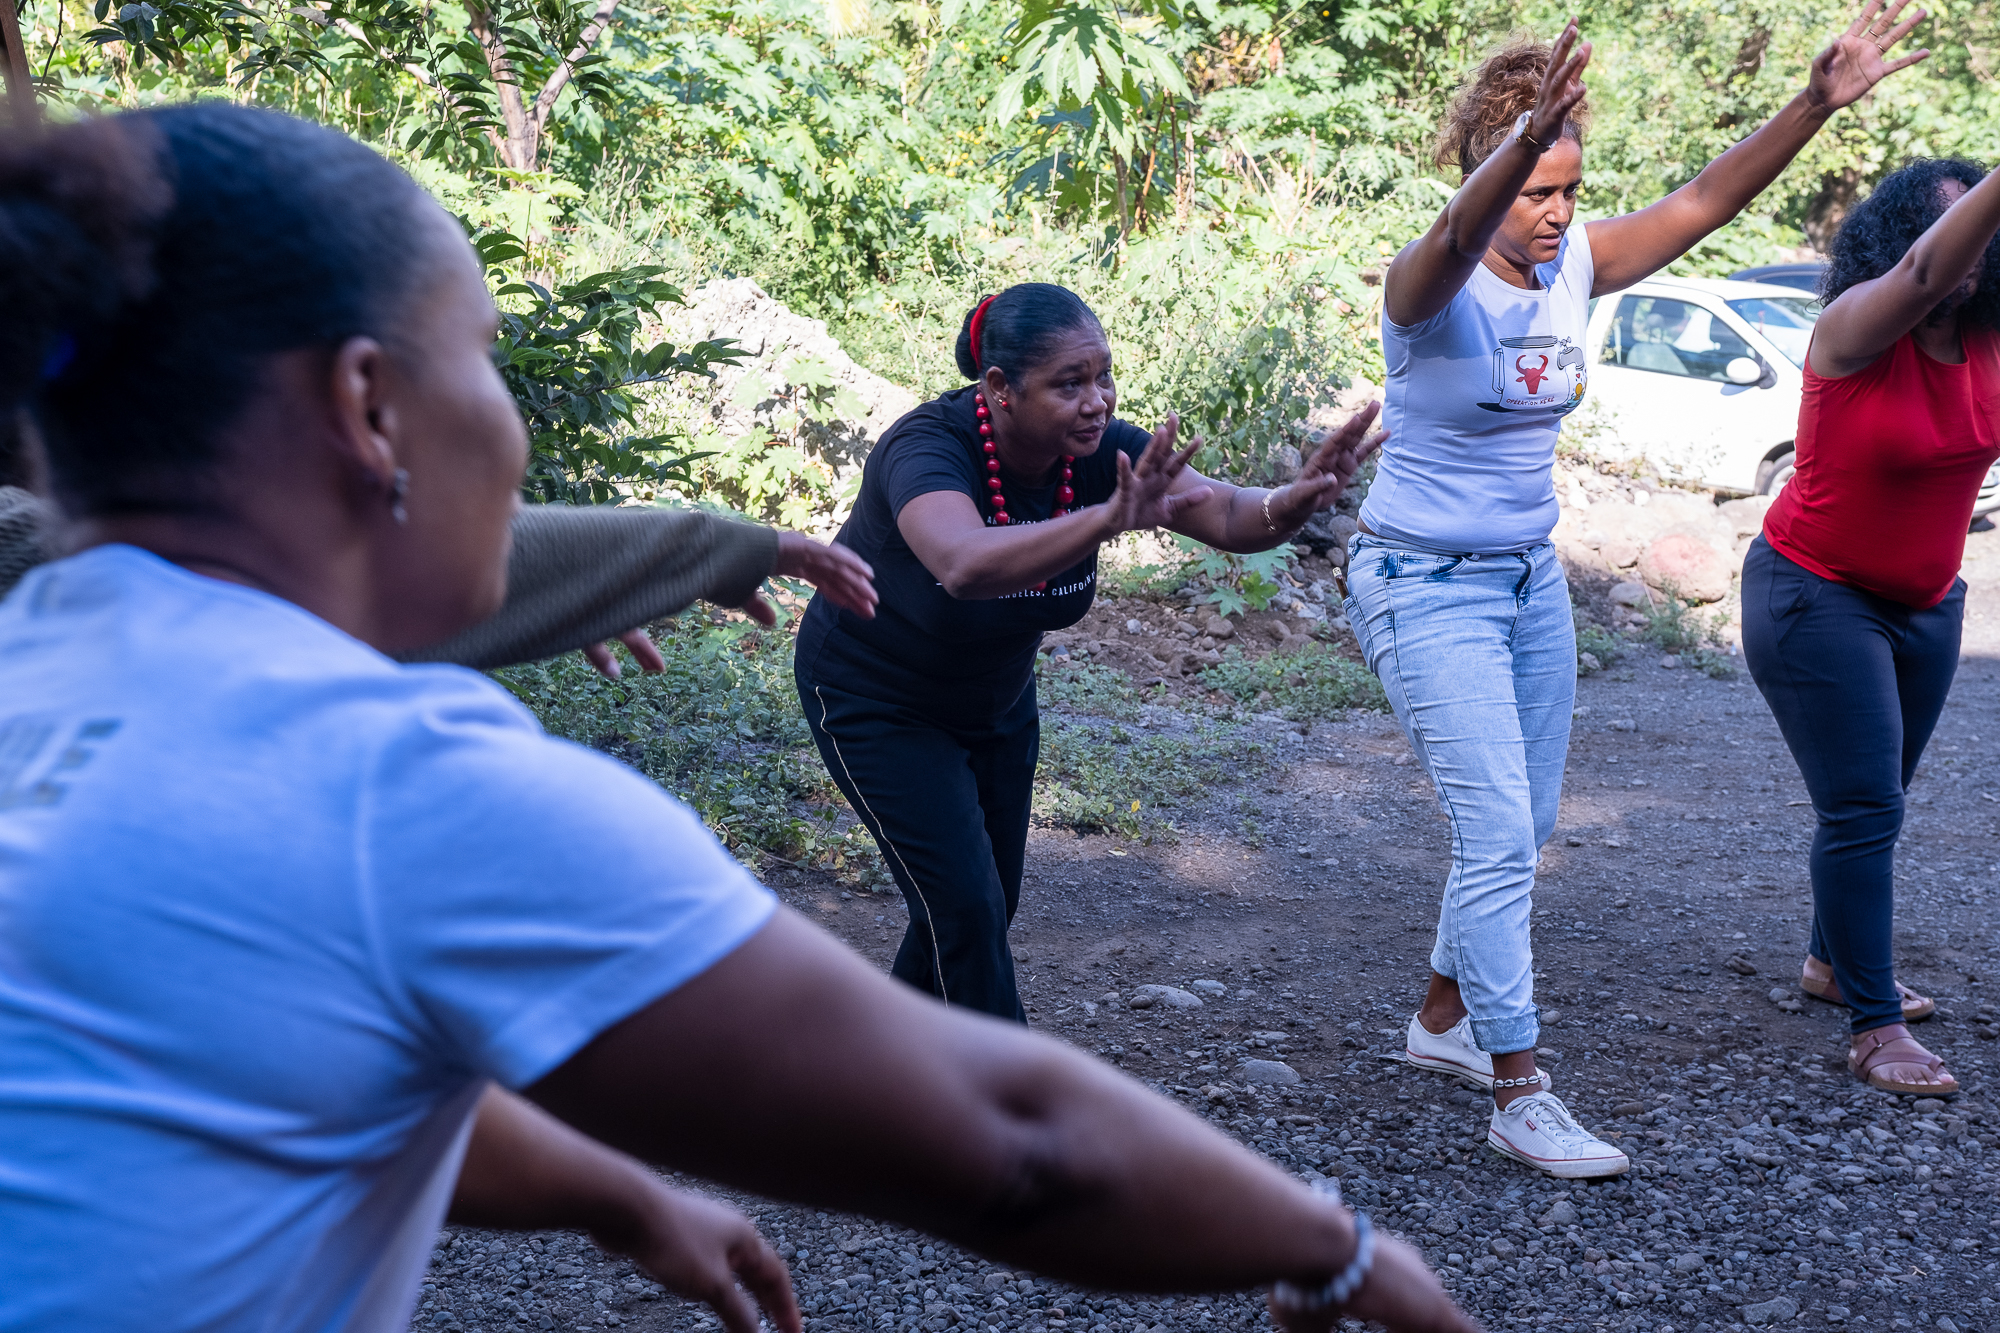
x,y
1537,373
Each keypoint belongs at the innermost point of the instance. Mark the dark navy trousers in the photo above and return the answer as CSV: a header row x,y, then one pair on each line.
x,y
947,801
1857,683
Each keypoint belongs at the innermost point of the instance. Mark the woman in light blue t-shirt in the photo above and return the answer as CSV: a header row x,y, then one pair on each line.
x,y
278,913
1456,594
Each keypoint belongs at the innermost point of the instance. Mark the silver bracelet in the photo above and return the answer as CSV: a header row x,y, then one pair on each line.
x,y
1269,526
1342,1286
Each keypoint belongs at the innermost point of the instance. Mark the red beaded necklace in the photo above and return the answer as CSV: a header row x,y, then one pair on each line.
x,y
1065,494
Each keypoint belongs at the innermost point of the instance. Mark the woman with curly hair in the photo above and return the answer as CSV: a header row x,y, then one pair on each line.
x,y
1457,596
1852,639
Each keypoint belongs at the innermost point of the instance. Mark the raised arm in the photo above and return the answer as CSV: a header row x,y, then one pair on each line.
x,y
795,1070
1628,248
1432,269
1866,320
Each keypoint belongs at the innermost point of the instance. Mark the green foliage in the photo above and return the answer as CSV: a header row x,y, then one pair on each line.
x,y
1236,583
1217,179
721,729
572,359
1314,682
774,471
1695,637
1108,780
1087,688
1149,583
450,71
1596,648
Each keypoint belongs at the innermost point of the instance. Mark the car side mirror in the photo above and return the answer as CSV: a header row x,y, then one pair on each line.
x,y
1742,370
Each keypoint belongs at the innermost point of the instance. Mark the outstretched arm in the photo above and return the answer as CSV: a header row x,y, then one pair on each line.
x,y
1637,245
1251,518
945,531
582,573
795,1070
526,1170
1865,320
1429,272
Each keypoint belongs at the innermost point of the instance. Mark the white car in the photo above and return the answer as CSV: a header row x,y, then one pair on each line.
x,y
1701,377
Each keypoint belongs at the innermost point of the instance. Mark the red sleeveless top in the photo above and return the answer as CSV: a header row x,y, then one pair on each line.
x,y
1890,460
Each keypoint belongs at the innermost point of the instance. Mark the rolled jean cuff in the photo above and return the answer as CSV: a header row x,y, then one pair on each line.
x,y
1504,1036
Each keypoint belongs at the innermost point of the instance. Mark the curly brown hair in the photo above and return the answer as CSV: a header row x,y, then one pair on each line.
x,y
1485,108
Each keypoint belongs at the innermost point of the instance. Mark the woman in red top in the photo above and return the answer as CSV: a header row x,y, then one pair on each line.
x,y
1852,604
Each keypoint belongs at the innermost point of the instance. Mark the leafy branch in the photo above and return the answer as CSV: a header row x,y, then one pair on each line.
x,y
573,362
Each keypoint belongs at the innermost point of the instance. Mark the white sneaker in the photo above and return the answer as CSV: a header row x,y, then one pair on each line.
x,y
1452,1052
1537,1129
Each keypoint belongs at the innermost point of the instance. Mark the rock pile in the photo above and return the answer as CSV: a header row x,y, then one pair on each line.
x,y
1656,536
785,350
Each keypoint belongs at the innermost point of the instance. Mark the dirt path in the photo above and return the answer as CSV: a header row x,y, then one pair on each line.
x,y
1769,1189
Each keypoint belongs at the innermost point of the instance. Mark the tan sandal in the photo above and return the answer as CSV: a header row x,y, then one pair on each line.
x,y
1916,1008
1892,1045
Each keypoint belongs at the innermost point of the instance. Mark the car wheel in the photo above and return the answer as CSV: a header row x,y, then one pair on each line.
x,y
1771,478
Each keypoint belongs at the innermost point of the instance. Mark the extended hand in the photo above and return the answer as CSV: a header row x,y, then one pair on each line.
x,y
1328,471
702,1250
845,578
1401,1294
1143,499
1858,58
644,651
1562,87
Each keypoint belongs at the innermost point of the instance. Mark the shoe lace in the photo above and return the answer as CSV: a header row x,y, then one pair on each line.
x,y
1554,1120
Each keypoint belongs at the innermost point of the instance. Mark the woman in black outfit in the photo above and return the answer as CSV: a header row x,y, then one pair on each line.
x,y
981,512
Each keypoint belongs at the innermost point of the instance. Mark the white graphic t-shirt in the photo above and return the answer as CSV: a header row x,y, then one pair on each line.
x,y
1475,397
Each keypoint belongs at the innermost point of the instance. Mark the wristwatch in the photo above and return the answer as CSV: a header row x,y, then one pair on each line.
x,y
1521,133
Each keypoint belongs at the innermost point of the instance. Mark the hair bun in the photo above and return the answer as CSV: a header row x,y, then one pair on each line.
x,y
78,208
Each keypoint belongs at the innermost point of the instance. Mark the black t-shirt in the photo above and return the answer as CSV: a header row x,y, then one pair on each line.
x,y
925,645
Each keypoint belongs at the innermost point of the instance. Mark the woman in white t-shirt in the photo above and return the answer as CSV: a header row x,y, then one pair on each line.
x,y
1455,591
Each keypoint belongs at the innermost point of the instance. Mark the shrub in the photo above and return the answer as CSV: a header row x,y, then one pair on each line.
x,y
1695,637
1596,648
1314,682
1096,780
721,729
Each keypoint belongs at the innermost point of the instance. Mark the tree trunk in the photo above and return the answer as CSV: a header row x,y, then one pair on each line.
x,y
523,122
20,85
1836,195
520,146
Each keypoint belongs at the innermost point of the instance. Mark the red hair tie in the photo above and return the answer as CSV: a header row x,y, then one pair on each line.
x,y
978,323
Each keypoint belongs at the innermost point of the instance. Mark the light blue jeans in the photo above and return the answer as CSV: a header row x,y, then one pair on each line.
x,y
1477,654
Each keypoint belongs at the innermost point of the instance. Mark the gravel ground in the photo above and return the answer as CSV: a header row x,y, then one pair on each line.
x,y
1768,1189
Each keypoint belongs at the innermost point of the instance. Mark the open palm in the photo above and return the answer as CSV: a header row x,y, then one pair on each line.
x,y
1145,497
1858,58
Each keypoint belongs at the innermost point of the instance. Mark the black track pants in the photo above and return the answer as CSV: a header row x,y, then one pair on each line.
x,y
948,806
1857,683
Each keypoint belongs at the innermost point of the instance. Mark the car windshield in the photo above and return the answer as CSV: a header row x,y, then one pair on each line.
x,y
1786,321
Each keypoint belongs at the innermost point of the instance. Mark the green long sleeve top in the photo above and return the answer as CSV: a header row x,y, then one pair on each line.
x,y
577,575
